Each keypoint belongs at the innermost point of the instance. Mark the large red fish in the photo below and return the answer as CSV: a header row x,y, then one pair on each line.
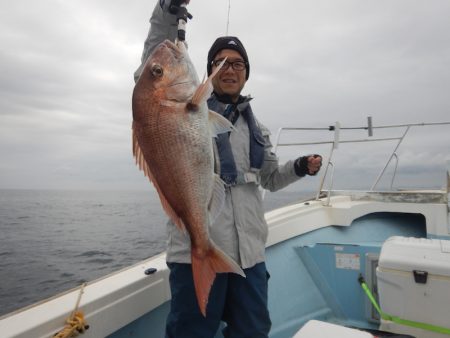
x,y
172,144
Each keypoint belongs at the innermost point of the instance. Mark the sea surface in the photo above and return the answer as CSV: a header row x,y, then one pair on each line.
x,y
54,240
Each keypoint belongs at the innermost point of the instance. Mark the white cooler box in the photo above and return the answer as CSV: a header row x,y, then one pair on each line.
x,y
319,329
414,283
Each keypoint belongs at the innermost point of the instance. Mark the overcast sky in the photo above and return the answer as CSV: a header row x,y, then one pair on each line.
x,y
67,78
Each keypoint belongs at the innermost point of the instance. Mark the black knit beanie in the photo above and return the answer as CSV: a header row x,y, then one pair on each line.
x,y
227,42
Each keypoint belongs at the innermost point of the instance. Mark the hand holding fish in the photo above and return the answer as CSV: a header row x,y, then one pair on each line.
x,y
176,5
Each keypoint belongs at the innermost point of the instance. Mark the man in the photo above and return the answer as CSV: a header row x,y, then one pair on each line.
x,y
245,161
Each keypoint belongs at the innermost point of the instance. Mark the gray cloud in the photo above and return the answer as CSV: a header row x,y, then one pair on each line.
x,y
66,83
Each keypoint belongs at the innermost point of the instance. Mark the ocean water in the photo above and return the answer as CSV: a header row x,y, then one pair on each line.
x,y
52,241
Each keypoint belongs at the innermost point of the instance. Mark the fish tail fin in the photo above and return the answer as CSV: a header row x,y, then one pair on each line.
x,y
204,270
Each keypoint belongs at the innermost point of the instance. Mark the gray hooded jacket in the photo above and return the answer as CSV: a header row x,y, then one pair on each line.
x,y
240,230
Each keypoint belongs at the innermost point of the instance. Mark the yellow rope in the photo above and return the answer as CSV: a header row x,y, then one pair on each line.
x,y
75,323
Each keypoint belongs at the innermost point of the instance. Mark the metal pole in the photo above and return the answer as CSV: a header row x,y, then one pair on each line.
x,y
390,158
334,146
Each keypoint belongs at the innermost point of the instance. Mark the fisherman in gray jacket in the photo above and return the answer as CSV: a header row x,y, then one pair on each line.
x,y
244,161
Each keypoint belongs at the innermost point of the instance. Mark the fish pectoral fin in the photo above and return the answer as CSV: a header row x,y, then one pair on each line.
x,y
205,89
218,124
204,271
202,93
142,164
217,198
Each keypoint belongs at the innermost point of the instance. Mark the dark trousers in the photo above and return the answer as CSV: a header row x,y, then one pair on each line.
x,y
240,302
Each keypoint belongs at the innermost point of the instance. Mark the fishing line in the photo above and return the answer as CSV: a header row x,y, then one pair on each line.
x,y
228,17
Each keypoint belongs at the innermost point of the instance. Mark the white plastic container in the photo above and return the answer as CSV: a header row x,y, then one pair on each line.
x,y
319,329
414,284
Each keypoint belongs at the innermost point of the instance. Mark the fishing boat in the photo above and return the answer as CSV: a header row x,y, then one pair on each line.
x,y
344,263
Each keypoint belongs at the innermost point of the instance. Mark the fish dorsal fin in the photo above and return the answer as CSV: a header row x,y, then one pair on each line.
x,y
217,198
218,124
142,164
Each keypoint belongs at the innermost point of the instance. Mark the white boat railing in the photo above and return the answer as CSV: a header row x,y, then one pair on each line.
x,y
337,140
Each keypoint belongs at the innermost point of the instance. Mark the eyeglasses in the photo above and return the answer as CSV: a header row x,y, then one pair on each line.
x,y
238,65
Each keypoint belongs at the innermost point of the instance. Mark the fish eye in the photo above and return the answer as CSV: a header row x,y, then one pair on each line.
x,y
157,71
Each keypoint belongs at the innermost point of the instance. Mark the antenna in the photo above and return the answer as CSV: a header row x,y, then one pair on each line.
x,y
228,17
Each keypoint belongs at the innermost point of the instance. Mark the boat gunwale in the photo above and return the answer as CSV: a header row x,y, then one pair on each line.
x,y
280,226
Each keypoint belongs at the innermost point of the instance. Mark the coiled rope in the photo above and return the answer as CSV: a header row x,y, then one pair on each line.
x,y
75,323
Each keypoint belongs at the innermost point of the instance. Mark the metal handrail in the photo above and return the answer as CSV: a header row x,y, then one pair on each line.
x,y
331,185
395,170
390,158
335,143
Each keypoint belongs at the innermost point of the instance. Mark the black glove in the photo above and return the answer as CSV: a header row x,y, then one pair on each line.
x,y
175,8
301,166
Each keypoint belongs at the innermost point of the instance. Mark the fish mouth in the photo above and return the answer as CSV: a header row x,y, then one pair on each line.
x,y
170,44
175,48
